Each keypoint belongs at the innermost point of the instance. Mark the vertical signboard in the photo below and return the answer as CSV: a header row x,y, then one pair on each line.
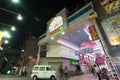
x,y
93,33
111,27
114,73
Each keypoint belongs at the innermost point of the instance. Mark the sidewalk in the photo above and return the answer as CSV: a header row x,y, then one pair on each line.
x,y
83,77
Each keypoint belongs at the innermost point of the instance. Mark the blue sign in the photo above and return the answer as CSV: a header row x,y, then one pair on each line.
x,y
84,51
112,69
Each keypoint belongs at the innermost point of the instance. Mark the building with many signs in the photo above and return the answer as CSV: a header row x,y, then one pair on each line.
x,y
77,40
109,24
71,40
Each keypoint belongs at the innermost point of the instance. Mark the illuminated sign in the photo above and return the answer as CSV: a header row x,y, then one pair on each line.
x,y
0,35
117,19
74,62
93,33
84,51
110,5
93,15
56,26
111,27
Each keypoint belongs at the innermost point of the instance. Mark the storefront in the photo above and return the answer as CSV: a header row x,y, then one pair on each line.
x,y
109,21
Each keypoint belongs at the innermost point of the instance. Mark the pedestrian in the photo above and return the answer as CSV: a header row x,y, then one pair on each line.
x,y
93,70
104,74
61,71
66,72
98,72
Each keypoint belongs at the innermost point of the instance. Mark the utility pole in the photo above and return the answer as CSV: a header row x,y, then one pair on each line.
x,y
38,56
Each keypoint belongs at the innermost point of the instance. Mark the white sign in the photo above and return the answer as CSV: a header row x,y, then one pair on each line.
x,y
112,29
56,23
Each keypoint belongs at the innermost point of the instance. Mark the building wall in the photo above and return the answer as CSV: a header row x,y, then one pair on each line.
x,y
61,51
78,16
66,62
30,48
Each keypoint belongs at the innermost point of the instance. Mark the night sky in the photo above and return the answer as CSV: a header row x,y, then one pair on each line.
x,y
36,13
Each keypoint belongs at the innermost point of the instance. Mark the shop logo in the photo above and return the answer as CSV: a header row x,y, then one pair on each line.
x,y
56,25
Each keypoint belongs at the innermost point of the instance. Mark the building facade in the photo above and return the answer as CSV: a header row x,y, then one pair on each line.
x,y
71,38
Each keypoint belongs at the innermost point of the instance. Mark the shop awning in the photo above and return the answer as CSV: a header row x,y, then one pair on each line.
x,y
76,35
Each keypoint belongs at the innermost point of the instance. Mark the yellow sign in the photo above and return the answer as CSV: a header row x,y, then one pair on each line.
x,y
0,35
116,40
110,5
117,20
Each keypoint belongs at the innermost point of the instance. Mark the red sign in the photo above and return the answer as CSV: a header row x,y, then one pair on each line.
x,y
99,60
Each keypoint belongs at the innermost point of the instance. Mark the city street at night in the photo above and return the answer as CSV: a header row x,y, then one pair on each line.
x,y
81,77
60,39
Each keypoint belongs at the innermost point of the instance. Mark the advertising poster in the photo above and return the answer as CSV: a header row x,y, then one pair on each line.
x,y
111,27
110,6
93,33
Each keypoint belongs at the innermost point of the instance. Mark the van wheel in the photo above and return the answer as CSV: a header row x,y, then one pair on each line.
x,y
35,78
52,78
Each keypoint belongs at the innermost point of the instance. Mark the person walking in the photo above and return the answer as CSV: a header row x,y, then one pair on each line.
x,y
93,70
98,72
66,72
61,72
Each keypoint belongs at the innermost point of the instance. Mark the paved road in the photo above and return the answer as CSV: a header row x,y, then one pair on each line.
x,y
81,77
9,77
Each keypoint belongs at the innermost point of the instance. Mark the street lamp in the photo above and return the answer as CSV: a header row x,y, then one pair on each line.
x,y
6,41
13,28
25,8
19,17
6,34
15,1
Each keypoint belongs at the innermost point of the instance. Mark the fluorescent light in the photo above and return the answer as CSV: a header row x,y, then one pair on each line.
x,y
63,33
68,44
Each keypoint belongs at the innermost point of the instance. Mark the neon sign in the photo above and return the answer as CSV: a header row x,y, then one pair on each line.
x,y
93,33
84,51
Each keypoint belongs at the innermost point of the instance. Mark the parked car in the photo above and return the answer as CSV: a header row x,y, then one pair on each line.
x,y
43,72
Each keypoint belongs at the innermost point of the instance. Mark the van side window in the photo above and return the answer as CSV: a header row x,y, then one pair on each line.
x,y
42,68
36,68
48,68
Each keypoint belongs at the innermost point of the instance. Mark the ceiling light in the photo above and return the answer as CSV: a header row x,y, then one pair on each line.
x,y
63,33
52,38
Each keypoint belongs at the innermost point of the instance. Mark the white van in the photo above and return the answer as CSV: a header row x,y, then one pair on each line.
x,y
43,72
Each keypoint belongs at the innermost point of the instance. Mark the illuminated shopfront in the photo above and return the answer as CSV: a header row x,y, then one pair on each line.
x,y
74,38
109,18
81,36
